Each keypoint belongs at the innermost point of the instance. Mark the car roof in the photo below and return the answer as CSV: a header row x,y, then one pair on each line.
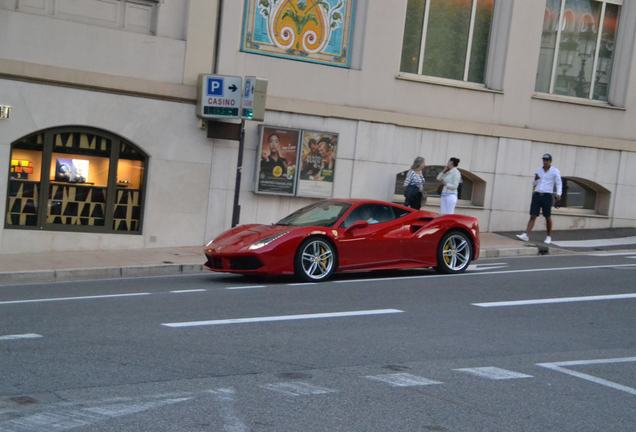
x,y
358,201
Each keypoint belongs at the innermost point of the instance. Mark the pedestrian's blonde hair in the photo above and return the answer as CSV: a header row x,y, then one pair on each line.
x,y
417,162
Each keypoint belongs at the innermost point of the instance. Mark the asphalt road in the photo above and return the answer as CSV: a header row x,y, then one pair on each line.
x,y
519,344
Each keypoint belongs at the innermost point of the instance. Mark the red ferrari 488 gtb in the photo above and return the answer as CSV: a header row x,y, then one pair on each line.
x,y
346,235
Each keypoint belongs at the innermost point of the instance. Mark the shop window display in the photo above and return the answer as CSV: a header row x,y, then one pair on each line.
x,y
93,182
24,182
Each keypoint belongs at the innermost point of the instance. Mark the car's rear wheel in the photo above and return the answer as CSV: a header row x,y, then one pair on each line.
x,y
315,260
454,252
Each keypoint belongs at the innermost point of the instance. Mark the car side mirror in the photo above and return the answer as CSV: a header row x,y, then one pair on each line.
x,y
357,225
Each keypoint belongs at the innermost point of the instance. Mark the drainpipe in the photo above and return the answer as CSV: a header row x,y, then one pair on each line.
x,y
217,41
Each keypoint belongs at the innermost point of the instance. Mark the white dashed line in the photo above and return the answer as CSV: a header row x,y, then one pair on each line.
x,y
20,336
283,318
493,373
56,299
187,291
246,287
557,300
402,380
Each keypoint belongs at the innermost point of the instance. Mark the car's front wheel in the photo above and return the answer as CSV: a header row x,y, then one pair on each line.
x,y
315,260
454,252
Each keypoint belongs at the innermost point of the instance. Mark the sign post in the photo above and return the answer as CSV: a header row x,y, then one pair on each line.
x,y
225,97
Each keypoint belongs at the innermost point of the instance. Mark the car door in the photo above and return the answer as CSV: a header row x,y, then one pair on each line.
x,y
374,244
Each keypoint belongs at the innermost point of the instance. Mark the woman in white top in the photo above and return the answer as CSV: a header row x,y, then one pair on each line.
x,y
450,178
414,184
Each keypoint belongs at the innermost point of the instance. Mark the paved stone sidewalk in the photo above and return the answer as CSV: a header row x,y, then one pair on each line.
x,y
108,264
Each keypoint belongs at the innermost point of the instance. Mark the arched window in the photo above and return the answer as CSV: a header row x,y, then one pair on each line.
x,y
584,195
76,179
471,191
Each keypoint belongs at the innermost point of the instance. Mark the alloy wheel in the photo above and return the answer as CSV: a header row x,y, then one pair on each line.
x,y
317,259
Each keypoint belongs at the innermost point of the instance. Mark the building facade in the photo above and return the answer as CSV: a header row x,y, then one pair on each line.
x,y
103,147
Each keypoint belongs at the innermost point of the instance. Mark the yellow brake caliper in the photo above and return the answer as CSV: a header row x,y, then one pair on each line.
x,y
323,261
447,256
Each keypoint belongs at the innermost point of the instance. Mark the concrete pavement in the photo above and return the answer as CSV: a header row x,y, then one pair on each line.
x,y
109,264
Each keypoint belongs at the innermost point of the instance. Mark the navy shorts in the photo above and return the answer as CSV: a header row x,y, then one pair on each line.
x,y
541,203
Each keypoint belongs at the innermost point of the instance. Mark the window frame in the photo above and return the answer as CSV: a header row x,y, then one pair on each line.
x,y
555,59
47,150
469,45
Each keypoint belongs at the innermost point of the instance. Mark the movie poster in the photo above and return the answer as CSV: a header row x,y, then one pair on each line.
x,y
276,167
317,164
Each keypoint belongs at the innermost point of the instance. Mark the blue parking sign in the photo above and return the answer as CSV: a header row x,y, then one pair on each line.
x,y
215,87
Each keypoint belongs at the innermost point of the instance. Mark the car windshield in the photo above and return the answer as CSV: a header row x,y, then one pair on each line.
x,y
324,213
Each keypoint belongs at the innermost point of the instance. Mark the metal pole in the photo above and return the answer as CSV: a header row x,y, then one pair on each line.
x,y
236,210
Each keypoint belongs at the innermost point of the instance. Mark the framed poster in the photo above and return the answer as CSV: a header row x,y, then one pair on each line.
x,y
317,31
317,164
277,157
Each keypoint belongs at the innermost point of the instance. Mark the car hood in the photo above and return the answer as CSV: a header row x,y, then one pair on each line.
x,y
248,235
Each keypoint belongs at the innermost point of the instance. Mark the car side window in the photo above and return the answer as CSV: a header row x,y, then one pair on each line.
x,y
400,212
371,213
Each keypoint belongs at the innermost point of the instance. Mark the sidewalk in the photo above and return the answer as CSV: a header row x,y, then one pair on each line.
x,y
110,264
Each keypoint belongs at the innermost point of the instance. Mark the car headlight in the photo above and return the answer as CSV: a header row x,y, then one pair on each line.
x,y
267,240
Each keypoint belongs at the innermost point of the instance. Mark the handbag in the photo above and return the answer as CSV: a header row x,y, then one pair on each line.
x,y
410,191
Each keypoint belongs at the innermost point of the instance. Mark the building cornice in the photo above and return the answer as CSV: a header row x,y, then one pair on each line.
x,y
96,81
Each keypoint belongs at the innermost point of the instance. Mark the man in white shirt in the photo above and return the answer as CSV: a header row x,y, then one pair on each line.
x,y
546,179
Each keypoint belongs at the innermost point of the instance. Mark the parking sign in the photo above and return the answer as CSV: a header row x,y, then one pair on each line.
x,y
219,96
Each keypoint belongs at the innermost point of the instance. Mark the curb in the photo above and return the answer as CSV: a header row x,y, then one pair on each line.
x,y
509,252
97,273
101,273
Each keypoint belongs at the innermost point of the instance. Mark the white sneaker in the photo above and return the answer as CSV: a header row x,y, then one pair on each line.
x,y
523,237
547,240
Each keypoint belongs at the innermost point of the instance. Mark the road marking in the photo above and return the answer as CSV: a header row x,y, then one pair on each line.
x,y
187,291
559,367
402,380
73,298
609,254
485,267
297,388
533,270
20,336
557,300
64,419
246,287
301,284
283,318
227,406
493,373
598,242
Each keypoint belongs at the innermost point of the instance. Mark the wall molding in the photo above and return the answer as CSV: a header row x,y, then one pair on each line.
x,y
95,81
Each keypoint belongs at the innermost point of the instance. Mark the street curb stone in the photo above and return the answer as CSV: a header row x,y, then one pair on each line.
x,y
96,273
508,252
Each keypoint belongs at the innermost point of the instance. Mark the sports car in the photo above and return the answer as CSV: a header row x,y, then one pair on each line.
x,y
347,235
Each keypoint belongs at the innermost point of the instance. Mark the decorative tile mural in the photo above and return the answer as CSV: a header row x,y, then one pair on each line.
x,y
316,31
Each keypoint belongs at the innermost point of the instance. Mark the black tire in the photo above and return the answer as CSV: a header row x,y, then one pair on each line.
x,y
315,260
454,252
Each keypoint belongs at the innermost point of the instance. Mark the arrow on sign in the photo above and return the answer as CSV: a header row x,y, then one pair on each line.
x,y
233,87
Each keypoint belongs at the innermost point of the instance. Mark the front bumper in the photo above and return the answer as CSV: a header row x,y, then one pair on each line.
x,y
233,263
